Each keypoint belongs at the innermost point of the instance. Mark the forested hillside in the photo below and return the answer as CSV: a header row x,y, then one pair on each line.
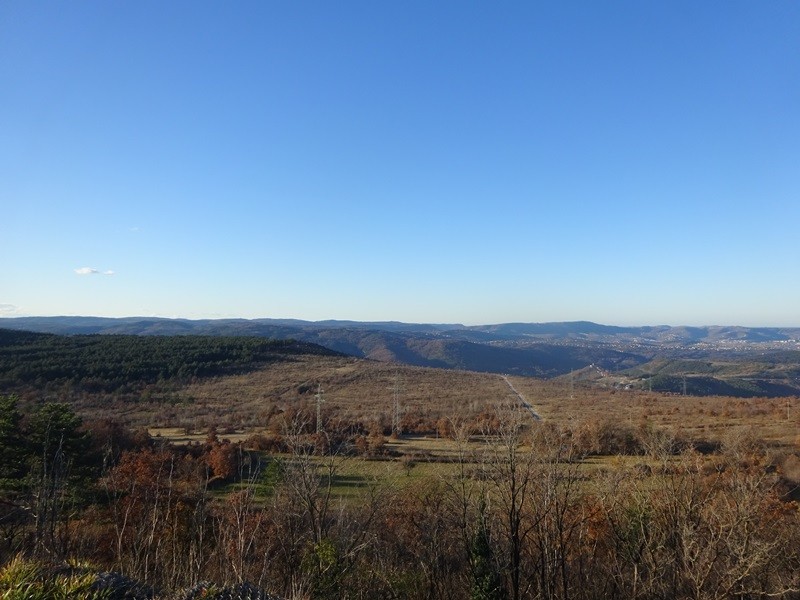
x,y
126,363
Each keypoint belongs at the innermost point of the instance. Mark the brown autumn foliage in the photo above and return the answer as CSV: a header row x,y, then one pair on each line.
x,y
224,459
516,512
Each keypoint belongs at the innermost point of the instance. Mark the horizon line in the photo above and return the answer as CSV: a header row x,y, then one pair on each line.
x,y
391,321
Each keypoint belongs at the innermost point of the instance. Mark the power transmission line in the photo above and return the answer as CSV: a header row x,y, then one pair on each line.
x,y
396,409
320,401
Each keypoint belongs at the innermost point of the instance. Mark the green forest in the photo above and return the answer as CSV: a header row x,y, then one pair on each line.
x,y
125,364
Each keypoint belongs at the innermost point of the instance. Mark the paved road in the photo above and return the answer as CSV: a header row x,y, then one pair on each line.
x,y
522,400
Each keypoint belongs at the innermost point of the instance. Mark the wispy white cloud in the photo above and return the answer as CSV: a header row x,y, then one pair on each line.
x,y
9,310
92,271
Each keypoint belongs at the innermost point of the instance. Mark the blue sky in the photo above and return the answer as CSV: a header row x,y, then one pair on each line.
x,y
621,162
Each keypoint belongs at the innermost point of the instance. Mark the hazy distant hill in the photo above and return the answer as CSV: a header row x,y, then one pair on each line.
x,y
580,330
664,334
502,348
533,349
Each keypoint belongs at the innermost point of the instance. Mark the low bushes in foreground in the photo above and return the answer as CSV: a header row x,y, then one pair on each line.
x,y
24,579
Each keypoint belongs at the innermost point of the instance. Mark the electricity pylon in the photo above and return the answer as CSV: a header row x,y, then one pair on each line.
x,y
319,408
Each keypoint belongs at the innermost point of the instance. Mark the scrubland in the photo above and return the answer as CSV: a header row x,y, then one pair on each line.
x,y
413,483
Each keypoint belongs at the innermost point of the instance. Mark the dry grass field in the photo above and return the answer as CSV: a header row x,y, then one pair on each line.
x,y
713,418
352,389
355,390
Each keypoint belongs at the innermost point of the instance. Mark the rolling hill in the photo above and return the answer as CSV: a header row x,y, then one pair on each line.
x,y
754,361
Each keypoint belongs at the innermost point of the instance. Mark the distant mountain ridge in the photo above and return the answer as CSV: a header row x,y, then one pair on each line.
x,y
532,349
568,330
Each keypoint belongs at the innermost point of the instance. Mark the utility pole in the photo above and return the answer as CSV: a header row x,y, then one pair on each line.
x,y
396,388
319,408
